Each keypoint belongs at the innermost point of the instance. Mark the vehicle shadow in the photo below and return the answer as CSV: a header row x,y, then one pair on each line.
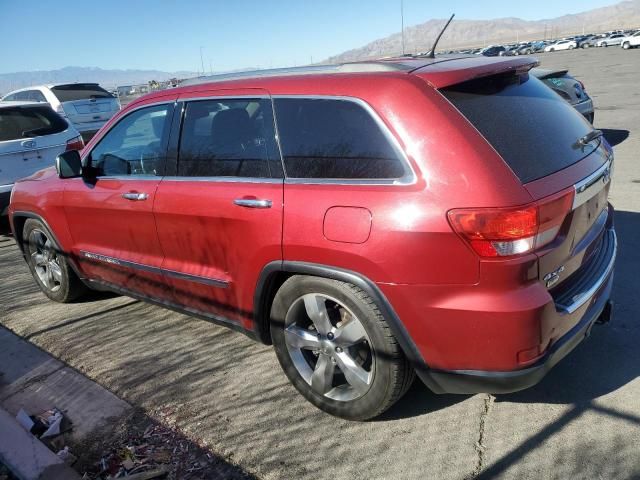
x,y
615,136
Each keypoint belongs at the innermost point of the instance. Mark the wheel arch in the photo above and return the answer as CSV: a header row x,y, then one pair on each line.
x,y
18,220
274,274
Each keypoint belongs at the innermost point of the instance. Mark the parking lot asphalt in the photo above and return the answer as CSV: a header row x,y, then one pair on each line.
x,y
229,394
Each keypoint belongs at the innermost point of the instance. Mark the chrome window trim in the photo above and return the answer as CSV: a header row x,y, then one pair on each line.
x,y
586,296
409,178
156,178
589,187
214,282
176,178
196,98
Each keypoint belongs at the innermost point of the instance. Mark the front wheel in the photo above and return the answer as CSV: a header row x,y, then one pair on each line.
x,y
336,348
586,45
571,47
604,44
49,265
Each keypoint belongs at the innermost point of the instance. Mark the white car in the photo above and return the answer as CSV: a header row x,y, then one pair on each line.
x,y
615,39
87,106
561,45
631,41
32,135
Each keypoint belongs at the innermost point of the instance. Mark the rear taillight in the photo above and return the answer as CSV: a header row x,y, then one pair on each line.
x,y
76,143
503,232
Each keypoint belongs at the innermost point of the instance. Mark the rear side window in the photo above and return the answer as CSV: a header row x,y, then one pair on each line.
x,y
228,138
28,122
79,91
334,139
531,127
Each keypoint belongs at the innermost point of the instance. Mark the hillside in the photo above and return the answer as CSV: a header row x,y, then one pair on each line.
x,y
465,33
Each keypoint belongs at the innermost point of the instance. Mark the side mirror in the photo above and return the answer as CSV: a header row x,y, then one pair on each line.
x,y
69,164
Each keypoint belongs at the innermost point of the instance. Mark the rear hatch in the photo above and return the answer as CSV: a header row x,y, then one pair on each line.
x,y
551,148
85,103
31,136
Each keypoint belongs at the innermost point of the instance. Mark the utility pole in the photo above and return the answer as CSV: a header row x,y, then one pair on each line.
x,y
402,23
201,60
211,66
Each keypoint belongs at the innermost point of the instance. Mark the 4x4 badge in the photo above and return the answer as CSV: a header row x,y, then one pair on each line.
x,y
551,278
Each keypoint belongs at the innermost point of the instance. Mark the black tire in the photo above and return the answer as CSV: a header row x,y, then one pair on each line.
x,y
585,45
552,50
604,44
626,45
67,286
391,374
571,47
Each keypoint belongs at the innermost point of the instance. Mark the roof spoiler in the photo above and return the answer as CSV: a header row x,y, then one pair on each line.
x,y
451,72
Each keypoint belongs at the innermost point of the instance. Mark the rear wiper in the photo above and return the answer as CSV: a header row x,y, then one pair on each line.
x,y
588,138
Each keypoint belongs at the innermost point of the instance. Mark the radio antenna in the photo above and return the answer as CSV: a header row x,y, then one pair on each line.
x,y
432,52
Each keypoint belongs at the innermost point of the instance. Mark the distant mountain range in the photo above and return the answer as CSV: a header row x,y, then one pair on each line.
x,y
468,33
106,78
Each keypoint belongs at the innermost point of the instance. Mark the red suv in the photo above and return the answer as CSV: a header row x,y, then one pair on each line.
x,y
445,217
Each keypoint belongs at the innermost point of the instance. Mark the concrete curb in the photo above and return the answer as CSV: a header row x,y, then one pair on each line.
x,y
26,456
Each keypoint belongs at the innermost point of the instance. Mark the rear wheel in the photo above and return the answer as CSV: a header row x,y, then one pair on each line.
x,y
337,349
585,45
49,265
604,44
626,45
571,47
552,49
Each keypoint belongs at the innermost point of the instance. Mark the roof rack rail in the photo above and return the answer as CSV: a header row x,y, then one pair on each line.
x,y
355,67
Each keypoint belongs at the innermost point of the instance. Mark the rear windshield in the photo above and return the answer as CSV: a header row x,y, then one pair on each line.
x,y
80,91
28,122
529,125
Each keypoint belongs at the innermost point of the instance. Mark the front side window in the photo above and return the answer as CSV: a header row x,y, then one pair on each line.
x,y
135,145
334,139
228,138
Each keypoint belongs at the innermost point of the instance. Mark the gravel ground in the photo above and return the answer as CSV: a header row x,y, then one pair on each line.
x,y
228,394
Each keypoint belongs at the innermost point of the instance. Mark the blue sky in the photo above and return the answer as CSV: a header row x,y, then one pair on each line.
x,y
167,35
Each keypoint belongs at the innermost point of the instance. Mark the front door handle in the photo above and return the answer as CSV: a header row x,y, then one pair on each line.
x,y
252,203
135,196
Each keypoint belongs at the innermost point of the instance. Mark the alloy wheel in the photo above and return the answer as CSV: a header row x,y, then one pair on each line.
x,y
329,347
45,260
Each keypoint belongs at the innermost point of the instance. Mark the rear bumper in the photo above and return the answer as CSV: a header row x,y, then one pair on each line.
x,y
474,381
498,340
89,126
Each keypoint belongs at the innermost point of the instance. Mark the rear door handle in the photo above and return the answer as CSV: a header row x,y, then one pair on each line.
x,y
135,196
252,203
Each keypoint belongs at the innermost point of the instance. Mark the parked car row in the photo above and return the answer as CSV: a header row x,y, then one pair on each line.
x,y
87,106
626,39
